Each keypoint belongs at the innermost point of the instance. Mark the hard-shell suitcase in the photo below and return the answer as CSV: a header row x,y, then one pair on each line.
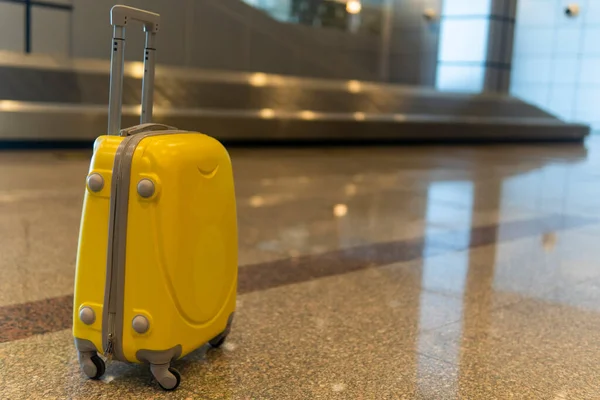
x,y
156,274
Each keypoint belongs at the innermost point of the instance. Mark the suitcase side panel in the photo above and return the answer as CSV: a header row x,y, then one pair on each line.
x,y
90,272
181,261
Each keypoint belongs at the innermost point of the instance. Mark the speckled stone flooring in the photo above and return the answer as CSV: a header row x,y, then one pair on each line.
x,y
365,273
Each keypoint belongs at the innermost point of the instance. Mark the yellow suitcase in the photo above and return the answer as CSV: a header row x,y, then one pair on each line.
x,y
156,273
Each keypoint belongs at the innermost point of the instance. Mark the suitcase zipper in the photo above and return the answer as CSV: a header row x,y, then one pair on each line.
x,y
110,345
112,332
111,298
108,353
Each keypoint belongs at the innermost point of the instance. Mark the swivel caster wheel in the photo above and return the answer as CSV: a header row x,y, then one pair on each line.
x,y
92,365
167,377
100,367
218,340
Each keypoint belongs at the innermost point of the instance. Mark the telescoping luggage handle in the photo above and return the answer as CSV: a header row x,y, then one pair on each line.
x,y
120,16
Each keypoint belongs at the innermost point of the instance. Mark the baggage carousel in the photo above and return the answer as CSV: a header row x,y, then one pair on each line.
x,y
45,99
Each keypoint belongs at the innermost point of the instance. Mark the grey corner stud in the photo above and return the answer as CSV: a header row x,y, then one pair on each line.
x,y
145,188
87,315
140,324
95,182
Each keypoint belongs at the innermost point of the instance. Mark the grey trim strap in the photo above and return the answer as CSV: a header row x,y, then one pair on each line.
x,y
159,356
84,345
114,292
147,127
117,243
113,275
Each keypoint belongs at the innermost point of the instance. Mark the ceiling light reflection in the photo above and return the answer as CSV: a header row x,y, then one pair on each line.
x,y
307,114
353,6
354,86
267,113
136,70
9,105
258,79
359,116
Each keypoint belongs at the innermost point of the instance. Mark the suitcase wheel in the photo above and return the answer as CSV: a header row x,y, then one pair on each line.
x,y
168,378
218,340
94,367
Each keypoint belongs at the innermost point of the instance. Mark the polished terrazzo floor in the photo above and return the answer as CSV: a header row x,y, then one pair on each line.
x,y
365,273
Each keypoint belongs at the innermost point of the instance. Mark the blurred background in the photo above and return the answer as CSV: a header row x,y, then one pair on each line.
x,y
311,69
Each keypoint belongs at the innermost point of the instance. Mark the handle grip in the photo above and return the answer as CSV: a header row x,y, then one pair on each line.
x,y
119,17
149,127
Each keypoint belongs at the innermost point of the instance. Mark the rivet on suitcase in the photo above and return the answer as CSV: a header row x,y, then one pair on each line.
x,y
156,273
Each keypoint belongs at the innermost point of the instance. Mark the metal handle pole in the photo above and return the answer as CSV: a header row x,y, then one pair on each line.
x,y
117,61
119,16
148,80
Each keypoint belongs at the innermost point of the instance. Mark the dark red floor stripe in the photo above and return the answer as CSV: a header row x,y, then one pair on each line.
x,y
262,276
43,316
50,315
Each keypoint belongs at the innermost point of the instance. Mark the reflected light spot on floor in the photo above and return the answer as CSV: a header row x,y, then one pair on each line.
x,y
229,346
340,210
338,387
257,201
549,241
350,189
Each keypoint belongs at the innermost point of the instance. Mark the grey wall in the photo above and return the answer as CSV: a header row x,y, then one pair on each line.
x,y
11,35
51,28
414,42
231,35
556,62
